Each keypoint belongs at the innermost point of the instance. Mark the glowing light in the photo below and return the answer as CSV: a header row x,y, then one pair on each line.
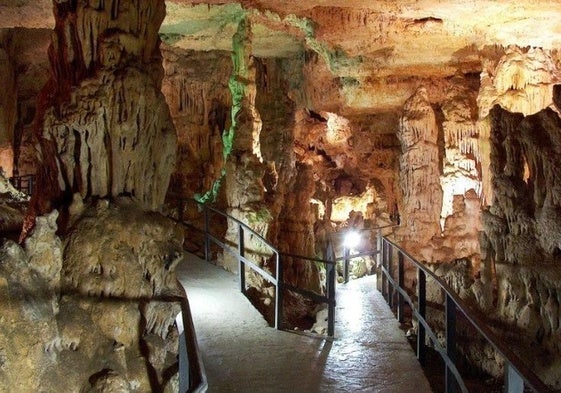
x,y
351,240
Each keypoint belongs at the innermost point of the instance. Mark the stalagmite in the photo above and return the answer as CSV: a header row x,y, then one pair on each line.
x,y
107,130
419,166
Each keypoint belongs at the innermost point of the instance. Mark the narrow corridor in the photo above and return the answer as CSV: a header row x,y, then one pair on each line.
x,y
242,354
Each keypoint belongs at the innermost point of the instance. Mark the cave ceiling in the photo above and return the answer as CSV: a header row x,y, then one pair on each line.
x,y
370,44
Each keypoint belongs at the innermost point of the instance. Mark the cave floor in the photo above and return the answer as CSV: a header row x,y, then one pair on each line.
x,y
242,354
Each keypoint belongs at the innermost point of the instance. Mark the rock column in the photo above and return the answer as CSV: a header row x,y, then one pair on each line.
x,y
420,172
244,167
105,128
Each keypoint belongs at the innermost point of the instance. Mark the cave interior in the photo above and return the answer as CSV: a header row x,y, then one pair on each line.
x,y
302,119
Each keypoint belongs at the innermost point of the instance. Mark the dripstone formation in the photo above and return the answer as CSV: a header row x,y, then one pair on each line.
x,y
301,119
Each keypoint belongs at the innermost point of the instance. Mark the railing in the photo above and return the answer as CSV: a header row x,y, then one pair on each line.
x,y
25,183
349,253
331,279
517,374
237,249
275,278
239,254
192,376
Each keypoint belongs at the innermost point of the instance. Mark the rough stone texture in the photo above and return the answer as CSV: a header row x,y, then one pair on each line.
x,y
95,313
195,85
521,232
97,267
32,73
13,205
419,171
320,95
244,169
30,288
521,80
8,114
110,143
105,129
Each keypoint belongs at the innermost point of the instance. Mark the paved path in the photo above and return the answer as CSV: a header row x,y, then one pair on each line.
x,y
242,354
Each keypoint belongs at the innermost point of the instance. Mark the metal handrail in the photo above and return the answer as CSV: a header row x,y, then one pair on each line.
x,y
517,374
277,280
192,375
242,260
24,183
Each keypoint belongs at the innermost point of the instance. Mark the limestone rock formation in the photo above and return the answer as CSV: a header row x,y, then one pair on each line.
x,y
105,128
195,85
420,170
96,312
521,81
26,55
30,289
97,267
8,110
301,119
111,143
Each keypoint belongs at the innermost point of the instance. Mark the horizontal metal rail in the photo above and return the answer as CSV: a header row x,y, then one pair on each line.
x,y
277,280
192,375
234,252
517,374
25,183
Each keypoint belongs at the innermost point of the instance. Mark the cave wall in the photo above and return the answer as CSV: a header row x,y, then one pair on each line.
x,y
522,225
89,312
32,73
91,293
25,67
432,144
195,86
105,128
440,173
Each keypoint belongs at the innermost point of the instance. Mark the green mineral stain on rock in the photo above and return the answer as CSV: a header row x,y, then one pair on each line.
x,y
236,85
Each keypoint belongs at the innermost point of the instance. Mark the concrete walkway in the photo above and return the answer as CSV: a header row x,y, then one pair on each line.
x,y
242,354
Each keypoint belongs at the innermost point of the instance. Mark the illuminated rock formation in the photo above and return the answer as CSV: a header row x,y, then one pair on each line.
x,y
195,85
300,119
95,309
419,171
113,323
106,129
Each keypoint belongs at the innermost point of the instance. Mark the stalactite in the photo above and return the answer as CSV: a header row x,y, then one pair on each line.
x,y
419,169
484,156
89,46
520,81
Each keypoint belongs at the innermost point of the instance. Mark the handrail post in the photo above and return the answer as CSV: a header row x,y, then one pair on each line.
x,y
278,294
379,260
331,280
346,264
383,269
183,355
331,297
391,292
422,309
513,382
450,342
241,253
207,234
400,285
